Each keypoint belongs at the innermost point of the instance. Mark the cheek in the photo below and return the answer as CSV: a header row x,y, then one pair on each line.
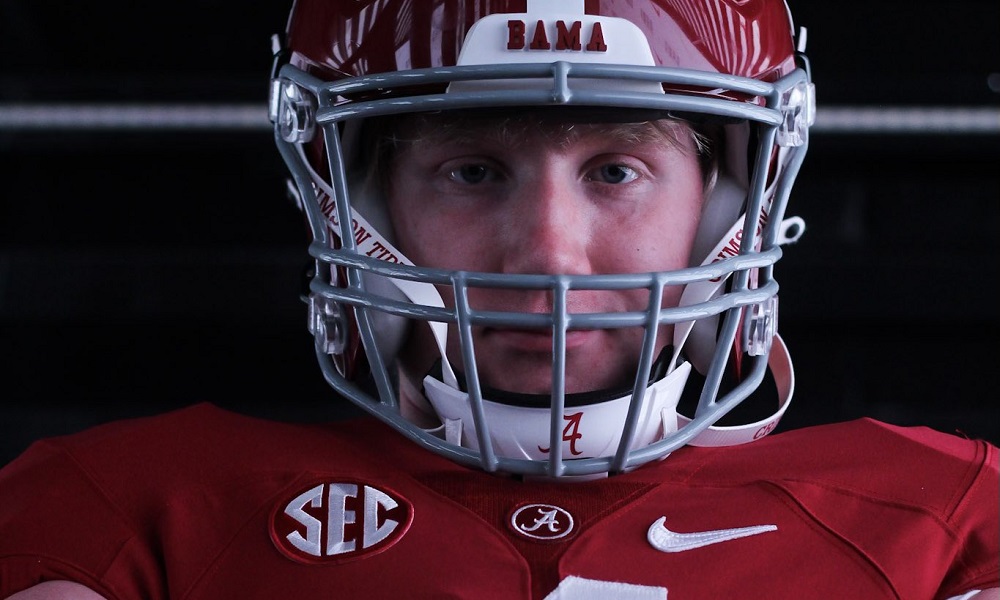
x,y
409,223
428,235
673,224
657,239
409,230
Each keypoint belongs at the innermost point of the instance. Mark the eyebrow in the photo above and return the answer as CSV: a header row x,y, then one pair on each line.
x,y
509,131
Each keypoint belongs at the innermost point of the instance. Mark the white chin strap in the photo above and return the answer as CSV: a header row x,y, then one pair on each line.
x,y
523,432
779,361
595,430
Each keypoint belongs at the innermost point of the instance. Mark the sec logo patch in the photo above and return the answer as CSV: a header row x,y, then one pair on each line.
x,y
338,521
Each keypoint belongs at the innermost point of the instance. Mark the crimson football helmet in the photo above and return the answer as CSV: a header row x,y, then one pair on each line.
x,y
730,63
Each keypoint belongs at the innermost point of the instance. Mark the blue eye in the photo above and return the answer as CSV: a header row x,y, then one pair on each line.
x,y
616,174
470,174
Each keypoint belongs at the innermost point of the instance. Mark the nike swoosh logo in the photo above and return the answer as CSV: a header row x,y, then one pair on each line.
x,y
665,540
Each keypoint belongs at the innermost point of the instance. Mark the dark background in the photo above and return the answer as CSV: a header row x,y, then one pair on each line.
x,y
145,270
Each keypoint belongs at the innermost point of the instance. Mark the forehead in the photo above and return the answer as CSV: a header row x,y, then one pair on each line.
x,y
510,128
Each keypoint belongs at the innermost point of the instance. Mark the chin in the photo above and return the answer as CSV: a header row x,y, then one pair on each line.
x,y
525,372
521,381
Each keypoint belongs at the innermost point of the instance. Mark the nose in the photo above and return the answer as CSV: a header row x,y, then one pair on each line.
x,y
551,228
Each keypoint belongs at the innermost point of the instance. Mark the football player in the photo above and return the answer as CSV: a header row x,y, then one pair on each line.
x,y
542,247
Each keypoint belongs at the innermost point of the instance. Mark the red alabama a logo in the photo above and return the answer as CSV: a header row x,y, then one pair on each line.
x,y
571,433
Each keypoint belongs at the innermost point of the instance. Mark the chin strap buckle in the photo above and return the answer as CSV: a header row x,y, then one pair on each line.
x,y
328,324
762,327
798,109
293,111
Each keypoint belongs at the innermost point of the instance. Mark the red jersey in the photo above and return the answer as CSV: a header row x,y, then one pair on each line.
x,y
206,504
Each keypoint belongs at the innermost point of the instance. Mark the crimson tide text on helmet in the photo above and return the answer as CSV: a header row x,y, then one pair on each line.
x,y
732,64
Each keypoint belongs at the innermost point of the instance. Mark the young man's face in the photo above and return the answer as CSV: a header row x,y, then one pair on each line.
x,y
527,197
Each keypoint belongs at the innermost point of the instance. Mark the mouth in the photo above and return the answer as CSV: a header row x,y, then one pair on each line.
x,y
536,340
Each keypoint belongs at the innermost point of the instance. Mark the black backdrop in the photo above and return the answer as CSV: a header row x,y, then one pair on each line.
x,y
146,270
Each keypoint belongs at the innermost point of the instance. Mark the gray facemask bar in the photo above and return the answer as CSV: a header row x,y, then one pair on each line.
x,y
322,96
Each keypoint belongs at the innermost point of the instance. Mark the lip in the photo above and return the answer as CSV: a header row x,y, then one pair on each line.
x,y
536,340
